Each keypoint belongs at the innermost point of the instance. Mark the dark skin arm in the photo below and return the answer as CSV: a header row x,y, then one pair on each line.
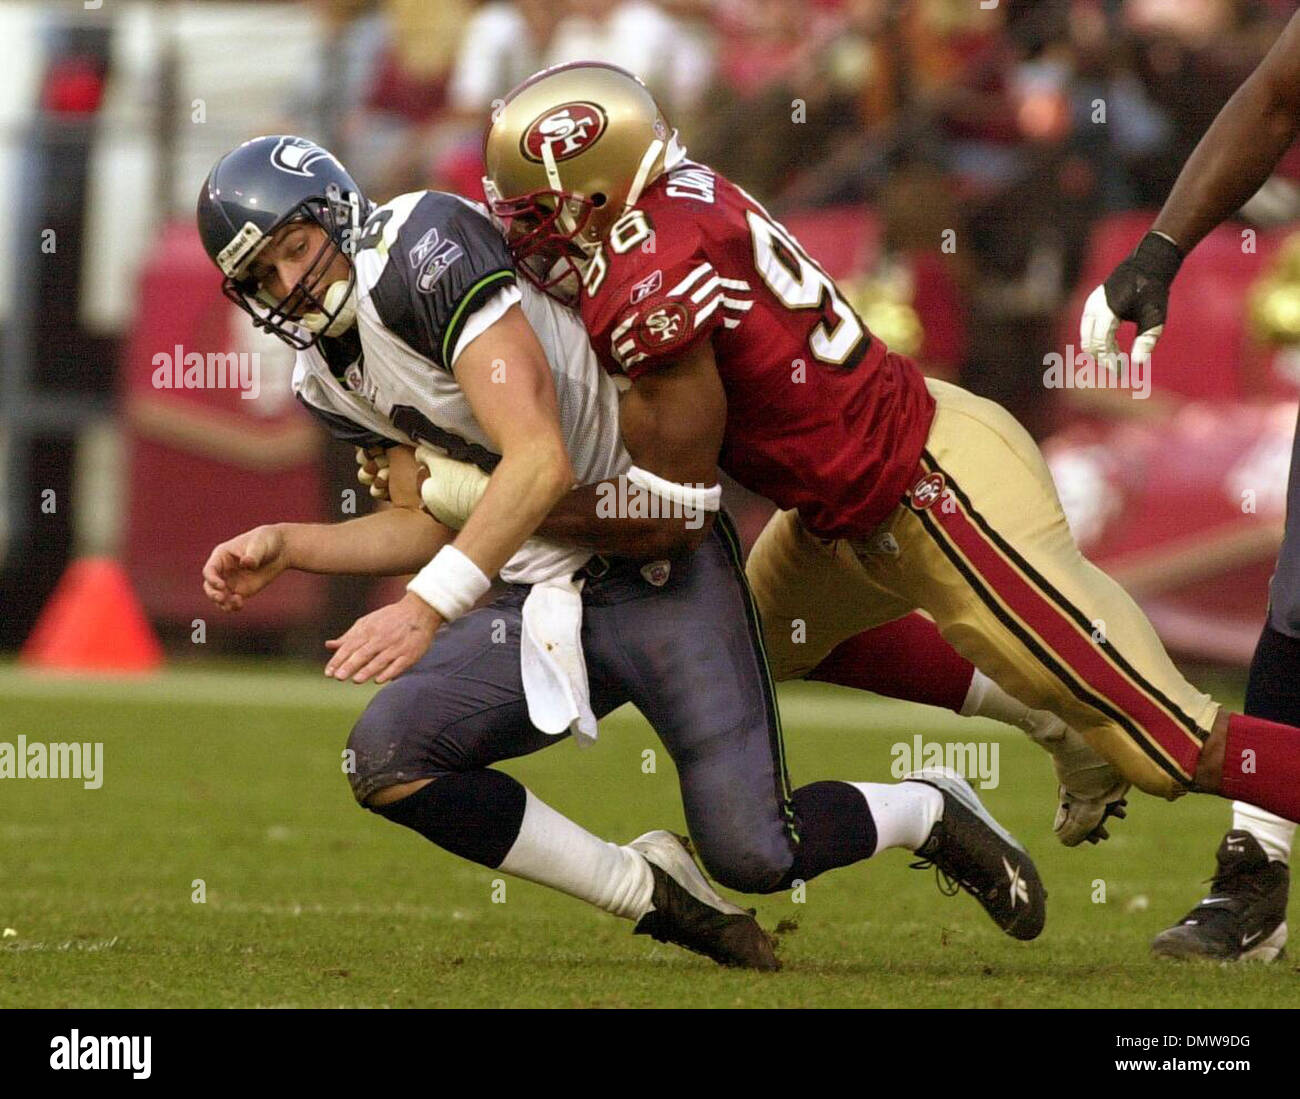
x,y
672,420
1231,162
1241,148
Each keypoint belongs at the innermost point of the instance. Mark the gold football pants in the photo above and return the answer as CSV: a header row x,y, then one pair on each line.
x,y
980,543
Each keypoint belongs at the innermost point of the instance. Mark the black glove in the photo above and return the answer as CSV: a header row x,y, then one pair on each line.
x,y
1138,289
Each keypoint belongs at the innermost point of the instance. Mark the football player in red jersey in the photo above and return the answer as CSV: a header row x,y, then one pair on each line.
x,y
897,492
930,672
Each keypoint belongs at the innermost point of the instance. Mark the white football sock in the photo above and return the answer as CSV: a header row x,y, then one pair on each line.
x,y
553,850
1273,833
905,813
984,698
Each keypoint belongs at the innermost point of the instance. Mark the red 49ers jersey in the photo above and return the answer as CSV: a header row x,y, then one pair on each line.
x,y
820,415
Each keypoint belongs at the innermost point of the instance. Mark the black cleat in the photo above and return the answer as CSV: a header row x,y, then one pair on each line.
x,y
688,911
971,851
1243,918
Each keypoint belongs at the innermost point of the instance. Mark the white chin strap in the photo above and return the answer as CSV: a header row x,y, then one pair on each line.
x,y
672,151
652,152
564,215
334,296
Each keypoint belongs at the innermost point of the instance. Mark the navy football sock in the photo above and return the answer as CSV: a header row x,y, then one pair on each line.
x,y
1273,688
835,829
473,814
487,817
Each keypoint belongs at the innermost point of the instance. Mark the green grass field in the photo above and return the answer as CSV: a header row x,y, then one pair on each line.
x,y
233,777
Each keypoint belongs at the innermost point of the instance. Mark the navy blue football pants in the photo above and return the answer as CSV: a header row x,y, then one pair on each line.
x,y
687,654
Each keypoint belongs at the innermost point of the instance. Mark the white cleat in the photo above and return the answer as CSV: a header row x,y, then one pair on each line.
x,y
667,851
689,912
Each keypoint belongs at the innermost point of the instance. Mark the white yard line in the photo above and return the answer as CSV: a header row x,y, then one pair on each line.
x,y
280,689
268,690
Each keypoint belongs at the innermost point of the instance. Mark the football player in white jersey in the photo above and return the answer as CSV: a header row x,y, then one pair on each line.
x,y
413,331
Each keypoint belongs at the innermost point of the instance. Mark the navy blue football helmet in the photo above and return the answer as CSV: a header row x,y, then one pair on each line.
x,y
250,194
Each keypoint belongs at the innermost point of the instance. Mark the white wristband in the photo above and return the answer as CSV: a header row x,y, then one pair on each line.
x,y
451,583
691,496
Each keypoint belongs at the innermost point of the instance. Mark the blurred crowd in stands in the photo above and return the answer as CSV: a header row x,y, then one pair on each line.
x,y
1014,124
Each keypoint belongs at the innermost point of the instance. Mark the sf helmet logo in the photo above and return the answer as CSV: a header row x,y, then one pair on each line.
x,y
567,129
296,155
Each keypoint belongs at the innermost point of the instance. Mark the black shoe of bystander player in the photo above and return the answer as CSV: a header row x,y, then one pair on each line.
x,y
1244,916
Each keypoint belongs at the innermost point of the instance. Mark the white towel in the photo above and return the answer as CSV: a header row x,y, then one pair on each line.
x,y
551,660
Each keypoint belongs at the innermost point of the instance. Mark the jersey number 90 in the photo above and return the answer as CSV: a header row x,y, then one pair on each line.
x,y
799,283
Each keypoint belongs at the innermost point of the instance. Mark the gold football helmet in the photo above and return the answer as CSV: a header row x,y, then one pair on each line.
x,y
571,149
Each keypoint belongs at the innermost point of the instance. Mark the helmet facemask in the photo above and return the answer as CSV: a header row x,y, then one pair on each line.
x,y
309,310
552,236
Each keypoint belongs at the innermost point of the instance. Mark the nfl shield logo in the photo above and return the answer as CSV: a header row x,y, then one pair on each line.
x,y
886,544
656,573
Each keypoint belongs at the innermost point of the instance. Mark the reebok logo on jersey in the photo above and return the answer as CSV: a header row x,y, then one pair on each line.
x,y
647,286
701,295
430,257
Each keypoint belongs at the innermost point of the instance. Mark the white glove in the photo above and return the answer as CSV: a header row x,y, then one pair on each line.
x,y
452,489
372,470
1090,789
1138,291
1098,330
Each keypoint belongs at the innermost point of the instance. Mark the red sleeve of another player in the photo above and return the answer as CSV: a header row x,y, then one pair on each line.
x,y
656,307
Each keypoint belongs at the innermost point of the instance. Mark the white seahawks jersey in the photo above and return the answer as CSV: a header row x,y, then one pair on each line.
x,y
433,272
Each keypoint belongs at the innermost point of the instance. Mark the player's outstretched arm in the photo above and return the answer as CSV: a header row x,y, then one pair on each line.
x,y
242,566
672,420
391,542
1231,162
